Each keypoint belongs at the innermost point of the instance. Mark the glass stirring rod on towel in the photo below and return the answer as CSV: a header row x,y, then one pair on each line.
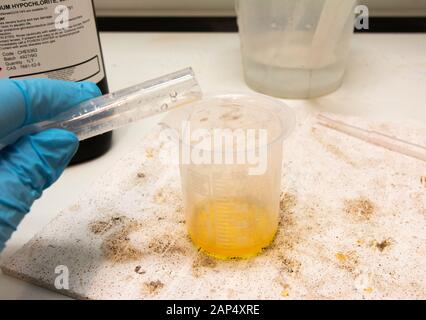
x,y
112,111
379,139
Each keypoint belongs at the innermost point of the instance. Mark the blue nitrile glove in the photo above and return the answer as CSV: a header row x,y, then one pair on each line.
x,y
35,161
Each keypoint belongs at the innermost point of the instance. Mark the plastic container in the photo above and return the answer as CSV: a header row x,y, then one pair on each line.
x,y
295,48
230,162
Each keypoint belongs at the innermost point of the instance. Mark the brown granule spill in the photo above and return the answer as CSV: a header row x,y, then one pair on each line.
x,y
360,207
118,248
288,236
103,226
150,153
285,293
360,242
160,197
287,203
331,148
138,270
153,286
141,175
423,181
347,260
169,196
381,246
179,208
207,262
286,290
165,244
368,290
201,262
290,265
341,257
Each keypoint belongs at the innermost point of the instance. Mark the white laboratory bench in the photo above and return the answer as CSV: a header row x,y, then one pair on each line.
x,y
386,79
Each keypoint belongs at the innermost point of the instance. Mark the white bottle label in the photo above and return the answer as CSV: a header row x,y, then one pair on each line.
x,y
54,39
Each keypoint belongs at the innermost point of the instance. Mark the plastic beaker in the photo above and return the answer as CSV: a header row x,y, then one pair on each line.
x,y
295,48
230,162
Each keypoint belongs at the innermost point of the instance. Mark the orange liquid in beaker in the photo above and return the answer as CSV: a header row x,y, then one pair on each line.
x,y
232,229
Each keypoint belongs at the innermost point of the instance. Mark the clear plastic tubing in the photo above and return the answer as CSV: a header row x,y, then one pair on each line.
x,y
112,111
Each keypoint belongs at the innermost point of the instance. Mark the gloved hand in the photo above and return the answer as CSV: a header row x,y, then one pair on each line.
x,y
35,161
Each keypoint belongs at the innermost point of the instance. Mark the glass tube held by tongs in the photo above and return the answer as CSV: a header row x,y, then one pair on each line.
x,y
112,111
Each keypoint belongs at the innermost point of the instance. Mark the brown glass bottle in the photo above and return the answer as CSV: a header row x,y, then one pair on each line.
x,y
97,146
54,40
